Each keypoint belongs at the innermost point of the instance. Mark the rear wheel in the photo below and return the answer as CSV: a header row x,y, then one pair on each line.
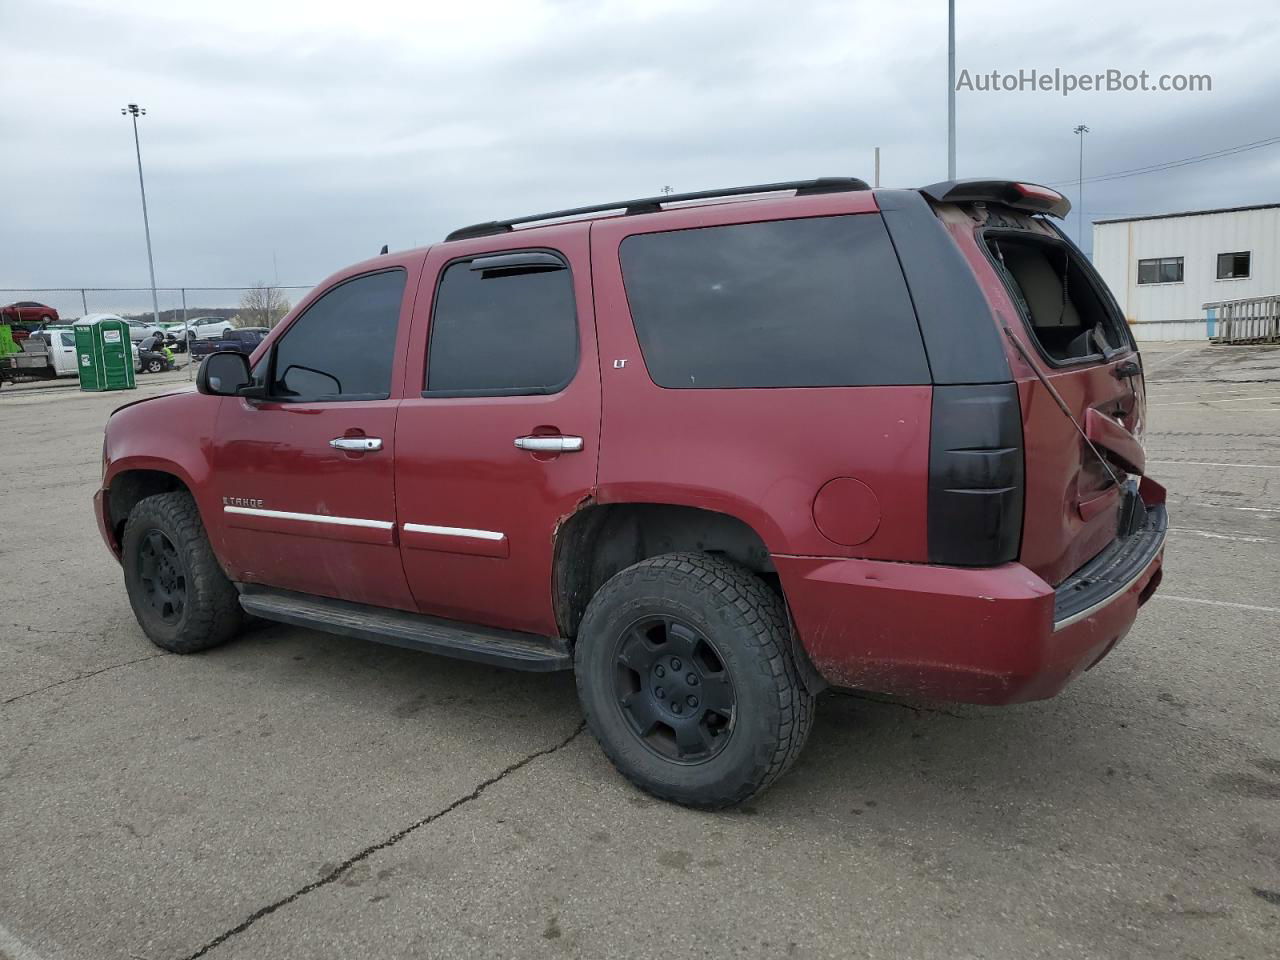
x,y
181,597
687,679
155,365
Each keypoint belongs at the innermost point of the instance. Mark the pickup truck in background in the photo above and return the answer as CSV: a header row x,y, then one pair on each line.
x,y
240,340
46,355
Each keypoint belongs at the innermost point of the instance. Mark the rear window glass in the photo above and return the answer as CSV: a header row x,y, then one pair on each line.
x,y
786,303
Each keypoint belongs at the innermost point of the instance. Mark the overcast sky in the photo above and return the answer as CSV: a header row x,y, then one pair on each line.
x,y
314,133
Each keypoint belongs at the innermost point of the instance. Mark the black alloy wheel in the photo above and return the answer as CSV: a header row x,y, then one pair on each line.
x,y
673,689
162,576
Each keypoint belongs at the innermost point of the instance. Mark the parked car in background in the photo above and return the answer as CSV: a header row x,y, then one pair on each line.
x,y
28,311
139,330
241,340
208,328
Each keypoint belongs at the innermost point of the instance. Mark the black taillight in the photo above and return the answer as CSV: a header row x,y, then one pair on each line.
x,y
975,475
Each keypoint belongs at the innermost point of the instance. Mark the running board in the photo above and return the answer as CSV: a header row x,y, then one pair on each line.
x,y
465,641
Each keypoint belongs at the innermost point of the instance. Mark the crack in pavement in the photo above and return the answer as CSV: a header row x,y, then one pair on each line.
x,y
82,676
395,838
914,708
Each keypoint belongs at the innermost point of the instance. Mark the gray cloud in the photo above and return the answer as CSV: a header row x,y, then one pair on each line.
x,y
316,134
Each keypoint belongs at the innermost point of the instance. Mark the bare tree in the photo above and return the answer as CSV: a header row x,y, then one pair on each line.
x,y
261,306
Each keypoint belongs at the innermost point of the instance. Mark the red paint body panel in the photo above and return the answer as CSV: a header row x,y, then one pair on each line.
x,y
279,453
458,466
760,455
1064,522
170,434
1111,436
947,633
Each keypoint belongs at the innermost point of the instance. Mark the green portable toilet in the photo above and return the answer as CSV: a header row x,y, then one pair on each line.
x,y
104,353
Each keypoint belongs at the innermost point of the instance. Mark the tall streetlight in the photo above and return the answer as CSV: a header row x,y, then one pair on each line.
x,y
1080,130
951,89
135,111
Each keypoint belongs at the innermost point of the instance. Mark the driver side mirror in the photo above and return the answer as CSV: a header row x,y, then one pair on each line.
x,y
224,374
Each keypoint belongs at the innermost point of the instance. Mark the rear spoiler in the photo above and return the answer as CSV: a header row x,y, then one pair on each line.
x,y
1021,196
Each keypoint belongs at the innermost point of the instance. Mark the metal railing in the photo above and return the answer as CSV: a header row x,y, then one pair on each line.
x,y
1253,320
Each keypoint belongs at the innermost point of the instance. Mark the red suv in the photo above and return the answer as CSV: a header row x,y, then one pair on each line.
x,y
713,452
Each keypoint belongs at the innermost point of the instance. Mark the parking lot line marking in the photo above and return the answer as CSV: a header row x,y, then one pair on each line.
x,y
11,948
1211,463
1187,403
1219,603
1165,360
1228,506
1221,536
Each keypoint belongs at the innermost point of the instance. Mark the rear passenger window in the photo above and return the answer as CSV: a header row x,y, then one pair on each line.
x,y
787,303
503,325
342,348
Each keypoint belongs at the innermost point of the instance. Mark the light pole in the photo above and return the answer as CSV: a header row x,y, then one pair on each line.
x,y
134,111
951,89
1080,131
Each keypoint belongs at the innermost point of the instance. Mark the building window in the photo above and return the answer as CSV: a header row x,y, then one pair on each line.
x,y
1160,270
1233,266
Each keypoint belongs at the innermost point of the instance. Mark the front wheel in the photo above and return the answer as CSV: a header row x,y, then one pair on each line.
x,y
182,599
155,366
687,679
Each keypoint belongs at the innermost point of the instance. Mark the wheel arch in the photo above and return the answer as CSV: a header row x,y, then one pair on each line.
x,y
600,539
130,484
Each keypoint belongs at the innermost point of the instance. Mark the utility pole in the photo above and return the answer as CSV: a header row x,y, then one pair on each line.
x,y
951,89
1080,130
876,183
134,111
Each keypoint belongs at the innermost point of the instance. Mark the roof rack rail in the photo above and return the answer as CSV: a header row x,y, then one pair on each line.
x,y
654,204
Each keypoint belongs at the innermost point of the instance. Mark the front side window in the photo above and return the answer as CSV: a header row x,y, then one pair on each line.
x,y
817,302
503,325
1233,266
343,347
1160,270
68,339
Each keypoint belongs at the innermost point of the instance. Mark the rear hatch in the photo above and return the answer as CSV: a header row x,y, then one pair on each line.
x,y
1072,341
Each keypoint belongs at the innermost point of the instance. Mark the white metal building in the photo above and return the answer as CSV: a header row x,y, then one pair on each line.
x,y
1162,269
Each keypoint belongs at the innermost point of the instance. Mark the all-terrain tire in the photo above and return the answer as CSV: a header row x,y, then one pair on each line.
x,y
745,624
210,613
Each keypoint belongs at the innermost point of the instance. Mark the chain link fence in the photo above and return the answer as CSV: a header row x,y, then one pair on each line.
x,y
260,305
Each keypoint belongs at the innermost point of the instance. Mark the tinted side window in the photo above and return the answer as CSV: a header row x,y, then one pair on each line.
x,y
342,348
505,331
789,303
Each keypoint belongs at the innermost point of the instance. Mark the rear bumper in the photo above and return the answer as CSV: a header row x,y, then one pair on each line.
x,y
969,635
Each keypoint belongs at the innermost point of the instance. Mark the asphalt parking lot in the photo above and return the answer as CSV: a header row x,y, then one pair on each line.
x,y
300,795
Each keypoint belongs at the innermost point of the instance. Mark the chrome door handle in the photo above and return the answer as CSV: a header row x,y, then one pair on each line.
x,y
549,444
360,444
